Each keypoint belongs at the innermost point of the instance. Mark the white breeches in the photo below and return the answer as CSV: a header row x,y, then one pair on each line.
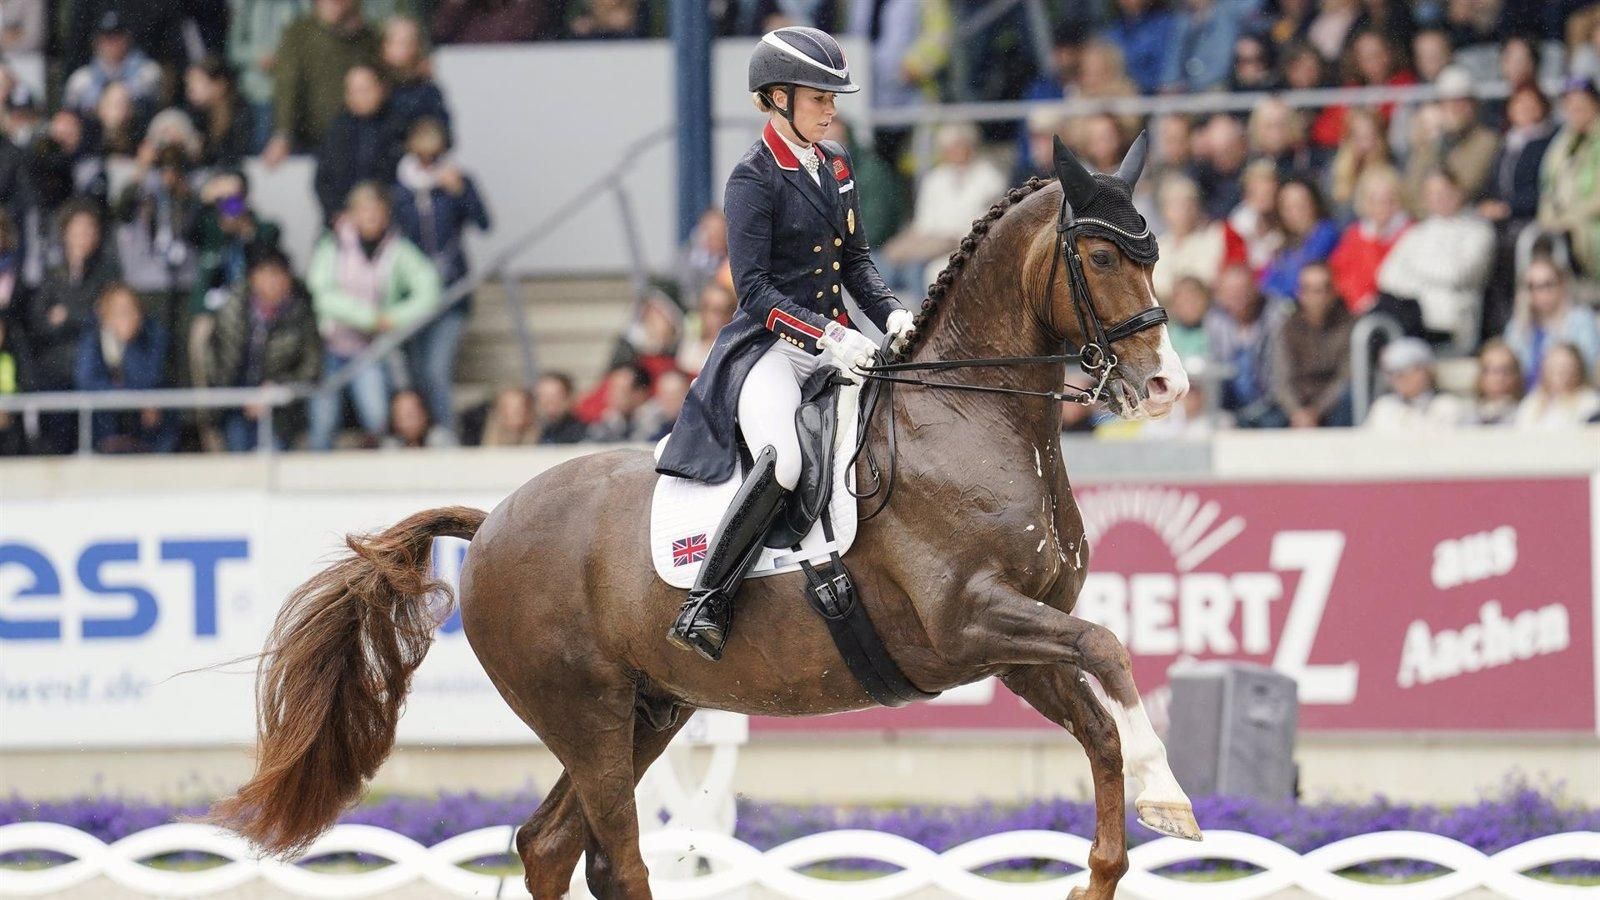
x,y
767,402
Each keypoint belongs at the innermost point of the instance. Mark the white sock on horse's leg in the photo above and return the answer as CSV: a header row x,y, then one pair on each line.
x,y
1143,755
1162,804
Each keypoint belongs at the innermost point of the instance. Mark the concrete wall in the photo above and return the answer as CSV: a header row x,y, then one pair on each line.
x,y
1229,456
535,123
922,768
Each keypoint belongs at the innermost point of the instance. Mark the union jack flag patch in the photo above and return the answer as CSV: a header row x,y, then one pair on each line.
x,y
688,550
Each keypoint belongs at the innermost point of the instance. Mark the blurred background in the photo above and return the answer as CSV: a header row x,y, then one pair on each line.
x,y
1380,251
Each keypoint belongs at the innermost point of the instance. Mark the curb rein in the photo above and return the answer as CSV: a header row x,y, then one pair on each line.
x,y
1095,357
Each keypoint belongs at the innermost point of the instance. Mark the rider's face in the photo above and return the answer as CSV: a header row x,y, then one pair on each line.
x,y
813,111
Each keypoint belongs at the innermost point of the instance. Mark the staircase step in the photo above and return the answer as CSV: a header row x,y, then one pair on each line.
x,y
574,323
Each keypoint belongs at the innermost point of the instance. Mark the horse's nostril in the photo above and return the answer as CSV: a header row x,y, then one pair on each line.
x,y
1158,387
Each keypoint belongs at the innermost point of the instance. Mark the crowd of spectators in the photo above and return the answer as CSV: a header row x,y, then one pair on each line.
x,y
1469,217
131,255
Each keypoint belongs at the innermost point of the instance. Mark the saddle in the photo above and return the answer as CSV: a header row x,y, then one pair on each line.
x,y
816,424
684,513
811,534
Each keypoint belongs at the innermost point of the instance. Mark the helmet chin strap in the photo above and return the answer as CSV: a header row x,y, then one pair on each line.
x,y
788,112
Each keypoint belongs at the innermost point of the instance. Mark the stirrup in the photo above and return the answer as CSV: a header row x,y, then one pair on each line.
x,y
696,617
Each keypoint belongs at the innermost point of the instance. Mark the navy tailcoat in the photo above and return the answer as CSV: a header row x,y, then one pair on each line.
x,y
792,245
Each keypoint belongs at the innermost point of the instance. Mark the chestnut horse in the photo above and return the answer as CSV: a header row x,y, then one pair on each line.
x,y
970,571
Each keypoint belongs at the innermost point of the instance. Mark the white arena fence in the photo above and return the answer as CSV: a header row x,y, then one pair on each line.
x,y
734,868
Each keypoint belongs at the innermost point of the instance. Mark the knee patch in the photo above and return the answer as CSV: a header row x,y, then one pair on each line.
x,y
786,470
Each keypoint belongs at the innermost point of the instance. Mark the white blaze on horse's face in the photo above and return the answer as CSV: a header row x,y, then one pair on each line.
x,y
1163,388
1167,385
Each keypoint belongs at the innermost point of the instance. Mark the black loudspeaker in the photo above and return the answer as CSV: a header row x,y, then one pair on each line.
x,y
1232,730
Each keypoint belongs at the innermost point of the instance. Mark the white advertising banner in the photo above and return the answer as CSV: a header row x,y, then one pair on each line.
x,y
134,621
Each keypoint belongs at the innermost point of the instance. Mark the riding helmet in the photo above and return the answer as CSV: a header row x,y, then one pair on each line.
x,y
799,55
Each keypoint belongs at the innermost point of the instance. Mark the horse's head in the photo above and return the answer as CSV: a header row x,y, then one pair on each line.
x,y
1115,253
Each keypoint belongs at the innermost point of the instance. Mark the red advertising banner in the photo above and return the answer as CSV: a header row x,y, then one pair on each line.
x,y
1440,605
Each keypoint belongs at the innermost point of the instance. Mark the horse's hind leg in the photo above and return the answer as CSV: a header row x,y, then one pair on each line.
x,y
551,841
1062,694
553,838
595,740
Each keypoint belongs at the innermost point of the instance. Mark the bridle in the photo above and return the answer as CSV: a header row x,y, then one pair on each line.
x,y
1095,357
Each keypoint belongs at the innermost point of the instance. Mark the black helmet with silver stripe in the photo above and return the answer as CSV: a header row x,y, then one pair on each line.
x,y
803,56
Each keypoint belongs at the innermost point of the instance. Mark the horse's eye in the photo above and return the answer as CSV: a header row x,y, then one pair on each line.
x,y
1101,258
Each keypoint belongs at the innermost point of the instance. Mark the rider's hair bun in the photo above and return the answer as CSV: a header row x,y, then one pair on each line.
x,y
761,101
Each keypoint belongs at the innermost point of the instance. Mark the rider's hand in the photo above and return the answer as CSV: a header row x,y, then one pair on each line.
x,y
901,326
851,349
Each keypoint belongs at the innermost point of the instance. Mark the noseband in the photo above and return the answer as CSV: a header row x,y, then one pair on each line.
x,y
1095,357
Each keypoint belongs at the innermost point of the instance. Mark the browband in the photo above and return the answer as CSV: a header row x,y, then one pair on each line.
x,y
1141,248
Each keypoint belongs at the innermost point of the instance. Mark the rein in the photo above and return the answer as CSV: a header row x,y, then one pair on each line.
x,y
1094,357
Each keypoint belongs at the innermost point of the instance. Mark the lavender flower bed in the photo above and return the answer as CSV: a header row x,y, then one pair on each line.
x,y
1519,812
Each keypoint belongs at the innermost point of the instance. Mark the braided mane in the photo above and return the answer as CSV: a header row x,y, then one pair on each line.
x,y
958,261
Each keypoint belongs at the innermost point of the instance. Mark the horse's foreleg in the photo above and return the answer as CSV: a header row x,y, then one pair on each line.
x,y
1010,628
1062,696
1161,803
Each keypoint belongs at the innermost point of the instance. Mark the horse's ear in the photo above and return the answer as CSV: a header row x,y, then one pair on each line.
x,y
1133,163
1076,182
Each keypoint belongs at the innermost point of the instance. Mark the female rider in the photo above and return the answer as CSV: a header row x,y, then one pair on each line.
x,y
795,241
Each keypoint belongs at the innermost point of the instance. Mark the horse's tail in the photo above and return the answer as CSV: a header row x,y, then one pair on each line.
x,y
334,677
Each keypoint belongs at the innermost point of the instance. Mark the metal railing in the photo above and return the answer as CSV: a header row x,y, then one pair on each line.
x,y
1187,104
1362,387
87,403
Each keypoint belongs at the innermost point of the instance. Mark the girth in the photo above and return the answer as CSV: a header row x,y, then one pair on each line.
x,y
830,589
832,593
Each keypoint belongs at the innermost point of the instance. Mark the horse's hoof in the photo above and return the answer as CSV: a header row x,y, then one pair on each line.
x,y
1171,819
1079,893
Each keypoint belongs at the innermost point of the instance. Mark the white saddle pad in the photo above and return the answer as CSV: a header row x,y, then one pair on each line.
x,y
684,513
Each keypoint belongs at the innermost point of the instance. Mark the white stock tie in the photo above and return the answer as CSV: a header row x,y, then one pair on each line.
x,y
810,160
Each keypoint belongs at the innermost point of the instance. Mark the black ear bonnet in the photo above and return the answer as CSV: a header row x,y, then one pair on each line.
x,y
1102,205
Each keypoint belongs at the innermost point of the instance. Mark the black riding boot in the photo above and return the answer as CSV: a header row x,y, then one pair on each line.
x,y
702,624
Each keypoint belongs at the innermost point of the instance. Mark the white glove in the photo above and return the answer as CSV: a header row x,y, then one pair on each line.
x,y
901,326
851,349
